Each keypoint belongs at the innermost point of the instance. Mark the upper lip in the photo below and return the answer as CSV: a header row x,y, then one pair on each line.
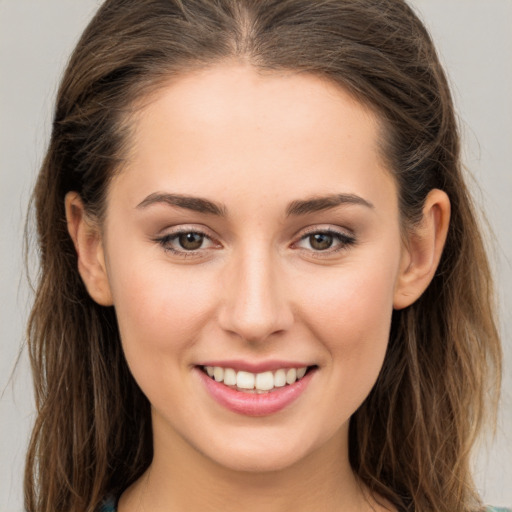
x,y
254,367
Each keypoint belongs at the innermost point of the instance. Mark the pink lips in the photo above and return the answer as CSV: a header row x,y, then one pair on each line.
x,y
252,404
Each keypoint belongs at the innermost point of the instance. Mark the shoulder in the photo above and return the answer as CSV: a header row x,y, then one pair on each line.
x,y
109,504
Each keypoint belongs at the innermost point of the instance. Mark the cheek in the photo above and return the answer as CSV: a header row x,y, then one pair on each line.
x,y
159,309
353,303
161,314
351,315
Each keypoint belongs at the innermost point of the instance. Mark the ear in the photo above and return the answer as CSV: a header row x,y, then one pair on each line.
x,y
87,238
423,249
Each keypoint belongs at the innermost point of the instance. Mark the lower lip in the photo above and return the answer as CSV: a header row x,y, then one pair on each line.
x,y
252,404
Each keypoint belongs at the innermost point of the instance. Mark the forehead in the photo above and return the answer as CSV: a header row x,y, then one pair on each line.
x,y
231,129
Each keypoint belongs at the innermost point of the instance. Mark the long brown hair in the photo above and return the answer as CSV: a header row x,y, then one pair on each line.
x,y
410,440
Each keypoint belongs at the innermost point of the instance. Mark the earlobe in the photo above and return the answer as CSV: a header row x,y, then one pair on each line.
x,y
422,254
88,243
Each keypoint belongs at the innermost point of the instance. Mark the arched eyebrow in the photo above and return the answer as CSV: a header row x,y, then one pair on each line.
x,y
316,204
295,208
196,204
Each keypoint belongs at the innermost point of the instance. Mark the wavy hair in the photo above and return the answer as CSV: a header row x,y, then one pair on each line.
x,y
410,440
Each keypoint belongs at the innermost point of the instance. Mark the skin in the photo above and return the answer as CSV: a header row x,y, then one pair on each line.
x,y
256,289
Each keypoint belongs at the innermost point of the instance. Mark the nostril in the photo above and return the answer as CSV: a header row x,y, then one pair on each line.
x,y
254,305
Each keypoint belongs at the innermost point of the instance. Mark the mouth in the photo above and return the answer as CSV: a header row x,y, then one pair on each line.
x,y
255,389
256,383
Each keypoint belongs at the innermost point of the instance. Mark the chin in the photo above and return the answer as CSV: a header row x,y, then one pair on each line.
x,y
270,450
250,461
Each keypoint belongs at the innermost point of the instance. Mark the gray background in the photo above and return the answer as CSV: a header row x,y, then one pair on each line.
x,y
474,38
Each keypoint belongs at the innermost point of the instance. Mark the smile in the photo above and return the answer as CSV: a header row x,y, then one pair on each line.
x,y
248,382
258,393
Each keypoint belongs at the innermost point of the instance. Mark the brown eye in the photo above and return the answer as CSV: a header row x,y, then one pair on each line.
x,y
185,243
325,242
191,241
321,241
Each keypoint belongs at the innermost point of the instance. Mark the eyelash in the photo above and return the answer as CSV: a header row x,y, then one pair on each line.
x,y
166,240
344,241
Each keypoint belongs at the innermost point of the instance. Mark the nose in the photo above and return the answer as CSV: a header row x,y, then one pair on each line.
x,y
255,305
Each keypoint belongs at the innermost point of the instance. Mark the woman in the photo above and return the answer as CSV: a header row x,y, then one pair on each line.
x,y
262,280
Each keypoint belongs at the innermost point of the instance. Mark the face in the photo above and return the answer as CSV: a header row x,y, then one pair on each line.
x,y
253,232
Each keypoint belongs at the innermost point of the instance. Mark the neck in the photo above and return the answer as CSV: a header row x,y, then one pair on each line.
x,y
181,478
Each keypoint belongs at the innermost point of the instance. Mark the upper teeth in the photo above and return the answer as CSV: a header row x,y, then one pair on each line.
x,y
265,381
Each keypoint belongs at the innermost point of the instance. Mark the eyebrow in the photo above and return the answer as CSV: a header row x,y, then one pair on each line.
x,y
317,204
196,204
295,208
